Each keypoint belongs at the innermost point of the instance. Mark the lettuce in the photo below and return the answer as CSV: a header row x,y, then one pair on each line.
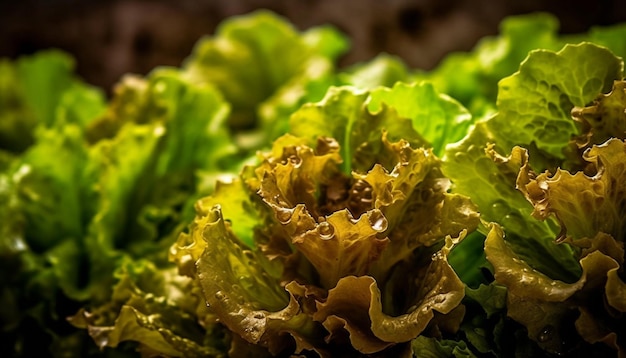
x,y
326,231
555,256
472,77
116,188
249,204
240,60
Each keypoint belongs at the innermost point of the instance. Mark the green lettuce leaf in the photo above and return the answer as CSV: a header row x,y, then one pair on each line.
x,y
160,311
600,121
241,61
584,205
436,117
556,267
97,186
475,165
383,70
536,102
42,90
412,112
473,77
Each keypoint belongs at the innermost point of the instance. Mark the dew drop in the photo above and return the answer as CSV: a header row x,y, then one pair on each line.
x,y
325,230
546,334
220,295
284,215
378,221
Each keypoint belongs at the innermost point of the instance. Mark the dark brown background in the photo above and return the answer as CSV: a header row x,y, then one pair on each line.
x,y
109,38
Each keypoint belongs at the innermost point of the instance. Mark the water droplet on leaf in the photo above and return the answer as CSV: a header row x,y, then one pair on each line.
x,y
325,230
378,220
546,334
284,215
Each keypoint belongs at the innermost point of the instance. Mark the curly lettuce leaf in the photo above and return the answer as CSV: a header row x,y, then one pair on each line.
x,y
558,314
316,226
412,112
548,283
588,211
584,205
490,180
475,164
601,120
343,115
241,287
440,290
158,310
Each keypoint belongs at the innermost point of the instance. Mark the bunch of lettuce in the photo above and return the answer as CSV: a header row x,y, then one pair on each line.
x,y
93,193
472,77
254,204
545,173
97,186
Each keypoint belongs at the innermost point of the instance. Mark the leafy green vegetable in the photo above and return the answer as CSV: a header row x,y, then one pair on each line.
x,y
249,204
473,77
42,90
241,61
72,213
327,234
550,284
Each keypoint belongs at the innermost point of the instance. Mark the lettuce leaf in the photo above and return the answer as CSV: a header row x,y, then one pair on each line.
x,y
41,90
158,310
473,77
321,234
241,62
476,166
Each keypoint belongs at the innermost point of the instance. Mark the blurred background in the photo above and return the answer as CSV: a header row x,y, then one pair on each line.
x,y
111,37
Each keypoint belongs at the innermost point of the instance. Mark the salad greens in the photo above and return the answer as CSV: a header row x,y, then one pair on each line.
x,y
254,204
